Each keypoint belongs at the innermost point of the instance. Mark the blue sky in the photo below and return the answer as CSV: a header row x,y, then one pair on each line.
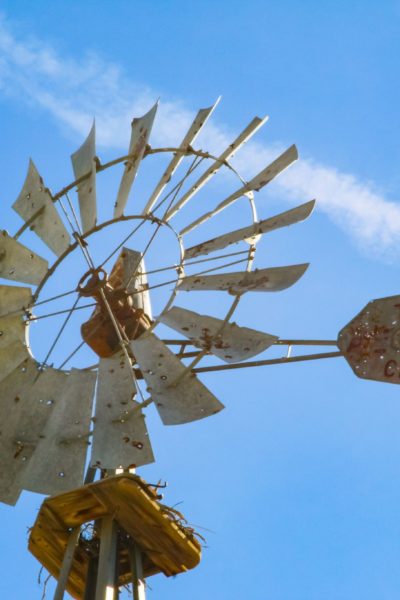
x,y
296,483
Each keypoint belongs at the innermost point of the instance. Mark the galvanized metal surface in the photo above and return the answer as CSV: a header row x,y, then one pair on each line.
x,y
138,585
13,329
371,341
259,181
19,263
26,403
47,224
13,299
252,233
231,150
58,462
186,401
120,437
129,273
11,356
106,588
141,129
273,279
194,130
228,341
84,162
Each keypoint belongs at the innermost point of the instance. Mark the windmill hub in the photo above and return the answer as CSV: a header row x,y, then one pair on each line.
x,y
115,306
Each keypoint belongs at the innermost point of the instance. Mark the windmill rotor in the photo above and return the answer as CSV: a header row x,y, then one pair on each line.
x,y
100,408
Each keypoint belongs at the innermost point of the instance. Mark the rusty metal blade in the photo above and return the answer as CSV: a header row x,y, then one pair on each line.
x,y
200,120
58,462
19,263
120,437
230,151
84,163
255,184
228,341
273,279
13,298
186,401
11,356
252,233
13,329
141,129
26,403
34,204
129,273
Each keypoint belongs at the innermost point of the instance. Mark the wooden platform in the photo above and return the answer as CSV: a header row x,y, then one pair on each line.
x,y
168,547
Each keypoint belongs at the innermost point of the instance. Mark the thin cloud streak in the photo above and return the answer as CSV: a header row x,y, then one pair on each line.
x,y
73,92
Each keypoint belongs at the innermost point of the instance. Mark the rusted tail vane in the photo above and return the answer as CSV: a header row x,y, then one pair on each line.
x,y
200,120
35,204
84,162
371,341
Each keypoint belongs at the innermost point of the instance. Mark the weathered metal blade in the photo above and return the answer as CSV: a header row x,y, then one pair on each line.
x,y
228,341
19,263
13,298
120,437
84,163
255,184
260,280
200,120
35,205
13,329
11,355
26,403
231,150
141,129
187,400
129,273
252,233
58,461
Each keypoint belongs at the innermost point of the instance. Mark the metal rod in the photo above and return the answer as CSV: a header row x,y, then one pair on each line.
x,y
67,564
273,361
281,342
105,588
138,585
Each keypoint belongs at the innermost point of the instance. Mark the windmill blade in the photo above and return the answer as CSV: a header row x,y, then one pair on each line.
x,y
11,355
227,341
255,184
58,461
200,120
120,437
141,129
26,403
260,280
229,153
84,163
129,274
35,205
19,263
13,299
252,233
187,400
13,329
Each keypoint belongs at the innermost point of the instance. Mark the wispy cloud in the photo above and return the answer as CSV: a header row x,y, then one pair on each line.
x,y
73,92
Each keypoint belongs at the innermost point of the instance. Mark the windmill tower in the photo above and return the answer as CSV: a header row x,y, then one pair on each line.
x,y
76,431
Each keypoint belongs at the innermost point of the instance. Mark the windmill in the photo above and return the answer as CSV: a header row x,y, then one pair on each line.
x,y
76,432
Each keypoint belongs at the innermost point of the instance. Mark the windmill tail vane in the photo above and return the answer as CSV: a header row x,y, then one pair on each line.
x,y
56,416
